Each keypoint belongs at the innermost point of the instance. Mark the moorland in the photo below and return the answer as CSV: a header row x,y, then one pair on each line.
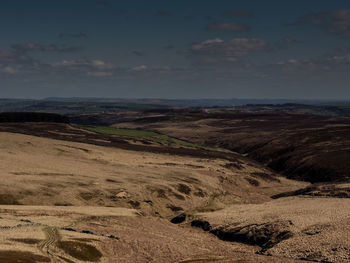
x,y
264,183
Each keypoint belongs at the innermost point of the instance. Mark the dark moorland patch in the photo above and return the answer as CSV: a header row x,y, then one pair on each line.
x,y
13,256
205,225
252,181
174,208
32,117
86,196
66,132
265,235
8,199
81,251
85,239
112,181
304,147
233,165
265,176
200,193
134,204
214,260
63,204
180,197
66,259
29,241
185,189
179,219
321,190
161,193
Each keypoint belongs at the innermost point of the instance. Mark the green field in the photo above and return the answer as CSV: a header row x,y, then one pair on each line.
x,y
143,134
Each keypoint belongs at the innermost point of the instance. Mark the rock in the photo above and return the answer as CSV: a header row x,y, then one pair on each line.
x,y
149,202
122,195
205,225
69,229
26,221
265,235
87,232
113,237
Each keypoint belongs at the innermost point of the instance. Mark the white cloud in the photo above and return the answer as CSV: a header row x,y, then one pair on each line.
x,y
8,69
218,50
139,68
84,65
100,74
335,22
235,27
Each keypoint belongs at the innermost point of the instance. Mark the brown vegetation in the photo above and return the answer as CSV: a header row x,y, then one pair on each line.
x,y
111,198
303,147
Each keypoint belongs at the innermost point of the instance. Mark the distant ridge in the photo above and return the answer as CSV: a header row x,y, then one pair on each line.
x,y
194,102
80,105
32,117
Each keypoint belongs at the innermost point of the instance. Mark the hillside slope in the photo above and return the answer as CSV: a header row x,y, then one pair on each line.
x,y
67,201
42,171
303,147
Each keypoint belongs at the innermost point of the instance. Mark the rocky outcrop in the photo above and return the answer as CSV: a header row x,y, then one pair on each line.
x,y
265,235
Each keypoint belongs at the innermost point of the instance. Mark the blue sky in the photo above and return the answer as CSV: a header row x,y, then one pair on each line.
x,y
175,49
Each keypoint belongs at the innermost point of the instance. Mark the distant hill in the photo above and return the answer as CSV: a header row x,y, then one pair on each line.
x,y
305,147
32,117
73,106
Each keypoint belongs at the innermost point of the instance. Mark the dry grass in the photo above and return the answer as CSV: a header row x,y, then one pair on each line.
x,y
303,147
71,236
73,192
80,250
320,227
41,171
12,256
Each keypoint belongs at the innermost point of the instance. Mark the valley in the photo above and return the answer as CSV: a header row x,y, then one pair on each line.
x,y
156,192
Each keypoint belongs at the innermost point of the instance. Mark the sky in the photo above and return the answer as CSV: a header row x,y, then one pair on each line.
x,y
176,49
